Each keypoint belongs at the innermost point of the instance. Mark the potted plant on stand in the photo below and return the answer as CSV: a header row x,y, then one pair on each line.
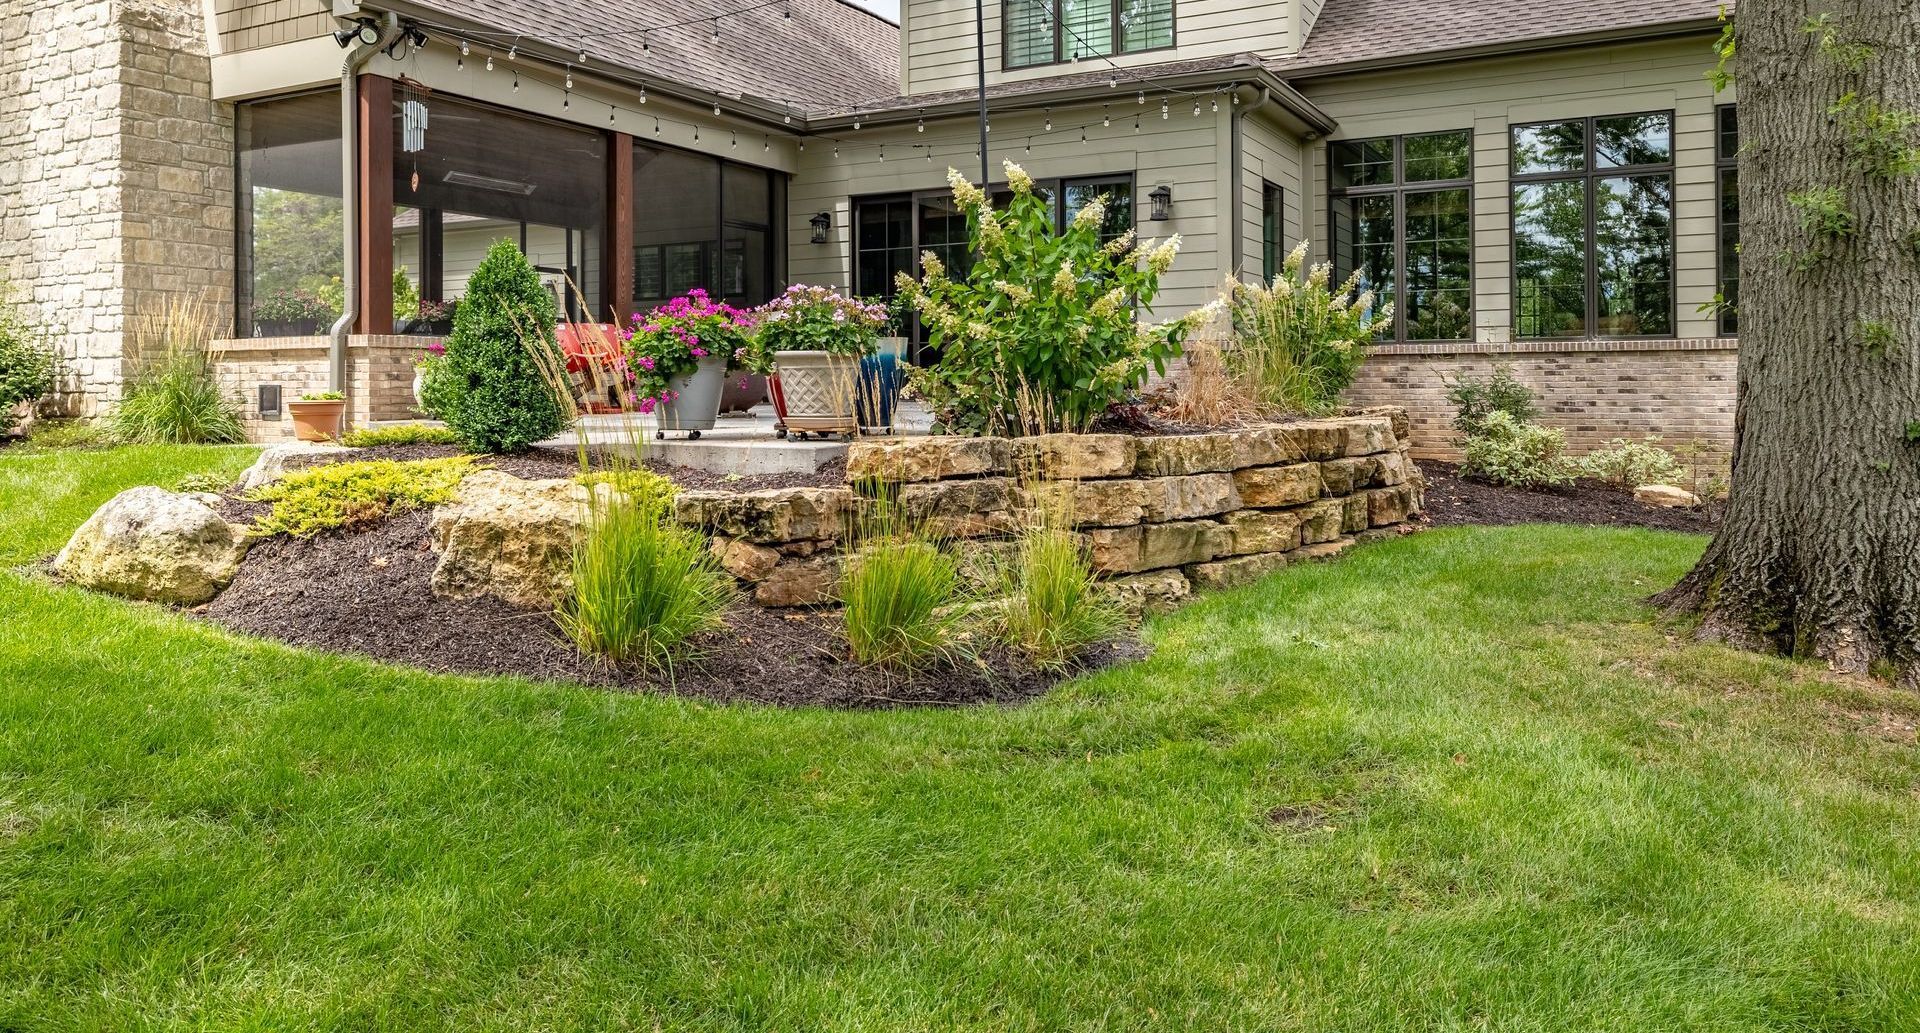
x,y
814,338
320,416
677,358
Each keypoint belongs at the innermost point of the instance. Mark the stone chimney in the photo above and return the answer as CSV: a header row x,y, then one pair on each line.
x,y
116,176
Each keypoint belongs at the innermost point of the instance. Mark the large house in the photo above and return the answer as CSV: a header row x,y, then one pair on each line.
x,y
1547,183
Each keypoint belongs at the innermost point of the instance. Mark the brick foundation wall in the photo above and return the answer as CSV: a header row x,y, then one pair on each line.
x,y
1681,391
116,176
379,377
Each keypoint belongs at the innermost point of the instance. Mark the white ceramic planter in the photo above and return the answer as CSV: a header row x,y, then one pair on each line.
x,y
819,389
696,399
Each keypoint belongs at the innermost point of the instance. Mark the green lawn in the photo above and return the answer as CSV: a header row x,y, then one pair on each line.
x,y
1506,799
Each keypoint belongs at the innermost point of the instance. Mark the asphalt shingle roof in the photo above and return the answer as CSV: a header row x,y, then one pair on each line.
x,y
1364,31
830,52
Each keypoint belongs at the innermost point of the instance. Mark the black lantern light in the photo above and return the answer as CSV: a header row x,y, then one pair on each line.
x,y
821,224
1162,200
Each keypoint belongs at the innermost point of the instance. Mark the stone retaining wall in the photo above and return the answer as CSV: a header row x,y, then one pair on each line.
x,y
1161,515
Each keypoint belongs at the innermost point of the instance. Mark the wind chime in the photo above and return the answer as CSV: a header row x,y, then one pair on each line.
x,y
413,122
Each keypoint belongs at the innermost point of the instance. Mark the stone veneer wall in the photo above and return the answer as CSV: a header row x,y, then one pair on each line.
x,y
379,377
1162,515
116,175
1596,391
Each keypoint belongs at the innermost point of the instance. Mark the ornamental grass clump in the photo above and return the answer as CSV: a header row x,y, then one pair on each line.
x,y
1299,341
172,395
1041,334
489,386
346,495
1050,607
642,584
900,591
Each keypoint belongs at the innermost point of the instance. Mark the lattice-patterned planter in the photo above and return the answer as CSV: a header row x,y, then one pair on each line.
x,y
818,389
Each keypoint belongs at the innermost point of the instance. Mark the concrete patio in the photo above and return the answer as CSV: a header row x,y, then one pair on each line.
x,y
741,443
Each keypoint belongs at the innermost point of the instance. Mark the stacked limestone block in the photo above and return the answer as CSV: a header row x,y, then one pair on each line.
x,y
1161,515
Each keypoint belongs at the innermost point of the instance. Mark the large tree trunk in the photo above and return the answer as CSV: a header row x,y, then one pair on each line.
x,y
1820,551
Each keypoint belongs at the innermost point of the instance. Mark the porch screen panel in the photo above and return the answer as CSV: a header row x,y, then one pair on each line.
x,y
485,174
287,215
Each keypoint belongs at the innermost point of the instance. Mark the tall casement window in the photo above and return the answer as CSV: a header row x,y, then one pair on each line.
x,y
1727,154
1270,205
890,233
1402,210
1041,32
287,215
1593,227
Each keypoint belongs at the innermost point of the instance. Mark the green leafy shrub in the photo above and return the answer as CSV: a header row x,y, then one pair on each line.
x,y
899,590
1050,607
26,358
203,482
1299,341
1040,335
171,395
400,434
438,390
1475,399
495,395
1630,464
1520,455
354,494
642,584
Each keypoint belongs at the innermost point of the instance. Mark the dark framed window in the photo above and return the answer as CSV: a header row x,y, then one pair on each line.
x,y
1593,227
1727,170
1043,32
891,232
1402,211
1270,208
287,212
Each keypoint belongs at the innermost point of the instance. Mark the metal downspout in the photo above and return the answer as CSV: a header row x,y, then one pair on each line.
x,y
350,199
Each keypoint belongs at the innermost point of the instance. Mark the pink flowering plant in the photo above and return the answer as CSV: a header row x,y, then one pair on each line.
x,y
671,340
812,318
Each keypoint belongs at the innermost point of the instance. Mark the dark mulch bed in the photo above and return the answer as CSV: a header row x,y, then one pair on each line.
x,y
1453,499
538,463
369,592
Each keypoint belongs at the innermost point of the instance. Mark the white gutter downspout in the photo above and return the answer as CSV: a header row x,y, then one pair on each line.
x,y
350,199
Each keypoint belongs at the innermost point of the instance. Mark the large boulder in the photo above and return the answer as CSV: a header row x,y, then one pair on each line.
x,y
278,461
508,538
149,543
1666,496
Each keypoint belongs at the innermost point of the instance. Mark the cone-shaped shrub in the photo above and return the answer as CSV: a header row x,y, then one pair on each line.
x,y
494,395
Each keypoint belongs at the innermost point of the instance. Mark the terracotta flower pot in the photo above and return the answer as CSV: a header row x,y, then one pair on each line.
x,y
318,420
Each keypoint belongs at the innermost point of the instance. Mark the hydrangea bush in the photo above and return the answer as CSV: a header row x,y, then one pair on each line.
x,y
812,318
671,340
1042,334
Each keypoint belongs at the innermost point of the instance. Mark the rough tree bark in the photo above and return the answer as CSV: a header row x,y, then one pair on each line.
x,y
1819,554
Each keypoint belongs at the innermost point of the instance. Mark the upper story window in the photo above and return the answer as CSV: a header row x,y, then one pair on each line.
x,y
1593,227
1402,210
1042,32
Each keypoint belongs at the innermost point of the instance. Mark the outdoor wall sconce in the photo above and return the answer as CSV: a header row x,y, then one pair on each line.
x,y
1162,201
821,224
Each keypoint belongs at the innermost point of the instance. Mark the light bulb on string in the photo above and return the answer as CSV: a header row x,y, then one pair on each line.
x,y
1196,109
787,15
569,77
460,63
1049,124
609,114
643,93
656,125
513,52
566,100
696,132
716,31
646,43
583,51
1143,96
489,62
734,141
883,152
1163,109
516,80
1113,82
1083,134
1029,145
1216,105
716,107
920,124
765,145
1106,117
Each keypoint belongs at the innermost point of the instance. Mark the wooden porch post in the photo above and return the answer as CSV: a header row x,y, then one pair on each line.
x,y
376,206
616,260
